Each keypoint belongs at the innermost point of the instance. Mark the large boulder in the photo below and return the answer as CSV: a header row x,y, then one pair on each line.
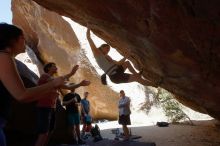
x,y
174,40
53,40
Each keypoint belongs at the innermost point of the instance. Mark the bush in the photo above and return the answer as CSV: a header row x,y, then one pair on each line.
x,y
172,108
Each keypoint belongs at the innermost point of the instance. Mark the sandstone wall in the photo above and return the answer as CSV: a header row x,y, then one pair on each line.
x,y
176,40
53,40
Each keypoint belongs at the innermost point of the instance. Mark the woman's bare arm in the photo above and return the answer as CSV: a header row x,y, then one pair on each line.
x,y
12,81
74,86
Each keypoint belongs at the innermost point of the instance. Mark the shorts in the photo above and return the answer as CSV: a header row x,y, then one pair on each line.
x,y
87,120
45,119
73,118
119,76
124,120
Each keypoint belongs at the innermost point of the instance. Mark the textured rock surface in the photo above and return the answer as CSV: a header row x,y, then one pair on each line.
x,y
54,41
178,40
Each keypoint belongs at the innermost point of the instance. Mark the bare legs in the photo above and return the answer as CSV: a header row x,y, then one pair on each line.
x,y
139,79
126,132
136,77
77,132
86,128
127,65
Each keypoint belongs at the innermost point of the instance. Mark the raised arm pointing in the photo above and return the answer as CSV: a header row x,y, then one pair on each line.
x,y
95,50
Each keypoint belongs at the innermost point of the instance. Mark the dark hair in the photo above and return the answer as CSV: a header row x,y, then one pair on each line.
x,y
103,45
8,35
122,91
48,66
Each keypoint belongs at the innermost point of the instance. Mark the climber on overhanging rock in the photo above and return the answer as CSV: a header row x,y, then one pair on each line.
x,y
115,69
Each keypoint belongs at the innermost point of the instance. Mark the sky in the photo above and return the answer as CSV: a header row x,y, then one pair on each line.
x,y
5,11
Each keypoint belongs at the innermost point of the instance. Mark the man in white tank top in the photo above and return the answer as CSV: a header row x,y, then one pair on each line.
x,y
124,113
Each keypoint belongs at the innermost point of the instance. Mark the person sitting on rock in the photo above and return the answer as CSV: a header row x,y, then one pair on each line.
x,y
115,69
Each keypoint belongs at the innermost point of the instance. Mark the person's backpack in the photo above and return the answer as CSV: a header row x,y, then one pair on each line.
x,y
95,131
162,124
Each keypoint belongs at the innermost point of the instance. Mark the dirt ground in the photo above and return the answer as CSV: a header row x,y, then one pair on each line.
x,y
203,133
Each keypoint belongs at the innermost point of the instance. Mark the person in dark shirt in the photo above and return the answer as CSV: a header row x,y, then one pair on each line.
x,y
73,107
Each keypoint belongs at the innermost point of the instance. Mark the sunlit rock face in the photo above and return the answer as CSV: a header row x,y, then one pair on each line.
x,y
54,40
176,40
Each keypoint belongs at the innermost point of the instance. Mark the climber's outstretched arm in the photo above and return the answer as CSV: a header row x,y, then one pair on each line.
x,y
95,50
120,62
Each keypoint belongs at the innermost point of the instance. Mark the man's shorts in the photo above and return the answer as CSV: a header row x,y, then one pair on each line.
x,y
124,120
87,119
45,119
73,119
119,76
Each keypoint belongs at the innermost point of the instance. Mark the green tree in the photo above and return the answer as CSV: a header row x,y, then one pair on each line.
x,y
172,108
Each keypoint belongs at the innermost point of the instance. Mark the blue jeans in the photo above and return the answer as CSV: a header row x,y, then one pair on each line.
x,y
2,134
